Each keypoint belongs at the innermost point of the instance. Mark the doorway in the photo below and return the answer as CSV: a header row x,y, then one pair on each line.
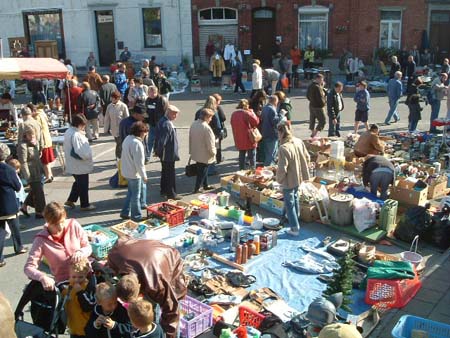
x,y
263,35
439,28
104,21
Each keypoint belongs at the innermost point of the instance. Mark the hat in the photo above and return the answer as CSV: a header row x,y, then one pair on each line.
x,y
339,330
91,68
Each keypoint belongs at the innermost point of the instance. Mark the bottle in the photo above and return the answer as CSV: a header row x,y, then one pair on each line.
x,y
241,217
238,256
244,253
250,248
235,238
257,244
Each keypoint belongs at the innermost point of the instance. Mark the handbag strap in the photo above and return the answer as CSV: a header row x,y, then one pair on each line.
x,y
189,161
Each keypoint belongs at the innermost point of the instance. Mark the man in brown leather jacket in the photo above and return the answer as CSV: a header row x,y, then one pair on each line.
x,y
159,268
369,143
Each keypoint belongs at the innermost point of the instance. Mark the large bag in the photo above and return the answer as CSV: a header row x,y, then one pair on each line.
x,y
254,135
415,221
122,180
191,169
364,213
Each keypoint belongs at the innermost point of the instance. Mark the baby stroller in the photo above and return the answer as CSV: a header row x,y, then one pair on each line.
x,y
46,309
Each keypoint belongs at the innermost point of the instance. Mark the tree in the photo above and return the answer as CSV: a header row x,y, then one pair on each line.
x,y
342,279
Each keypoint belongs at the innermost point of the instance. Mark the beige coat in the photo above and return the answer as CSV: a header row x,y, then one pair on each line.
x,y
114,114
43,122
202,142
31,123
293,163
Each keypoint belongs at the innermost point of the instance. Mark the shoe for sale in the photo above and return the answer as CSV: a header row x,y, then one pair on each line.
x,y
88,208
293,232
70,204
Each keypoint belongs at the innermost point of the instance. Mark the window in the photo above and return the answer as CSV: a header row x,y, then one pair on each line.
x,y
44,25
314,30
152,27
218,15
390,29
263,14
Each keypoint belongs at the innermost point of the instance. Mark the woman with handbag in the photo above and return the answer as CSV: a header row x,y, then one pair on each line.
x,y
244,124
79,163
202,147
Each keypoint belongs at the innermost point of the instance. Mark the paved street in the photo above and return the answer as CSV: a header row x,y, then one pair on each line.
x,y
109,201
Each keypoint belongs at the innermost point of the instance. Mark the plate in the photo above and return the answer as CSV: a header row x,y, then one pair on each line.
x,y
267,174
271,223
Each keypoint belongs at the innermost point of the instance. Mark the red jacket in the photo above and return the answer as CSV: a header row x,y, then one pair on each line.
x,y
241,122
75,92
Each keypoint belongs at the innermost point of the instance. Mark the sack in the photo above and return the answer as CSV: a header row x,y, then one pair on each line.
x,y
254,135
191,169
416,221
364,213
440,231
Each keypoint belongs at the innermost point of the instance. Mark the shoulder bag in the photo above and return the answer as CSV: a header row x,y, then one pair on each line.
x,y
253,133
191,169
73,152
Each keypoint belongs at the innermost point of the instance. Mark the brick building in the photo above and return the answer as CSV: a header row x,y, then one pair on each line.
x,y
360,26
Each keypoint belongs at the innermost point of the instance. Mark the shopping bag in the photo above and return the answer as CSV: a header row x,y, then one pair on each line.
x,y
191,169
122,180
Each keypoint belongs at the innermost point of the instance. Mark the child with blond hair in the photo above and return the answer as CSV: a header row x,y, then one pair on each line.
x,y
128,288
109,319
142,318
81,297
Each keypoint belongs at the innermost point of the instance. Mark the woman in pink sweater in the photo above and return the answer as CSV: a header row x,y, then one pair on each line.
x,y
61,242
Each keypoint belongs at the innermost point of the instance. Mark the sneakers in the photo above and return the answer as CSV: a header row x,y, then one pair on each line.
x,y
88,208
70,204
293,232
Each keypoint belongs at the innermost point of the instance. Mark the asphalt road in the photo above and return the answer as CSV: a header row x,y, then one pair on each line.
x,y
109,201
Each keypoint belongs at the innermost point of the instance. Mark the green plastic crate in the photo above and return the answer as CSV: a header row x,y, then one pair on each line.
x,y
100,250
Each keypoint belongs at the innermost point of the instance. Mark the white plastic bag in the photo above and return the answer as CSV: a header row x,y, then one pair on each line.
x,y
364,213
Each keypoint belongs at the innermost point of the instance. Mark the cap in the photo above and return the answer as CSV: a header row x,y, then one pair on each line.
x,y
91,68
339,330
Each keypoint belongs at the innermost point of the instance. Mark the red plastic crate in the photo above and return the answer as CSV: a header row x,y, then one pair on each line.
x,y
248,317
394,293
202,320
174,216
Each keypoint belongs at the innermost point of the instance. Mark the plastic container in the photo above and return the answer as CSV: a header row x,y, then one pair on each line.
x,y
248,317
100,250
202,320
407,323
391,293
337,149
174,214
388,215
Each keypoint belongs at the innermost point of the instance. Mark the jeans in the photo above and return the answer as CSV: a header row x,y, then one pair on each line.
x,y
251,154
167,185
143,198
80,188
202,175
380,180
94,133
133,199
413,124
15,234
270,151
150,142
435,108
392,112
292,207
334,129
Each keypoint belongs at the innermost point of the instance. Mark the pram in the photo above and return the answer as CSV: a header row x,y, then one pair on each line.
x,y
46,309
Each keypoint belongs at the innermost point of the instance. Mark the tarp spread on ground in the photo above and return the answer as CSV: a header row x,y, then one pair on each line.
x,y
31,68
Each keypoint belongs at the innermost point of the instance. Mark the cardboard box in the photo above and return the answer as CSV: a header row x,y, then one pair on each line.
x,y
437,190
254,195
228,185
319,181
315,148
271,204
404,193
309,213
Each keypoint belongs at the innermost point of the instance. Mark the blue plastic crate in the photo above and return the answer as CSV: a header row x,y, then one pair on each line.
x,y
407,323
100,250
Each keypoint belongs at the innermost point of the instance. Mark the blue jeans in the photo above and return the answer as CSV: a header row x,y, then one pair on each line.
x,y
292,207
435,108
143,197
270,151
392,111
150,142
251,153
380,180
133,199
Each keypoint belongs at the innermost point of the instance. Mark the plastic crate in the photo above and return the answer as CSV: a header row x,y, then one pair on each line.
x,y
407,323
202,320
391,293
100,250
249,317
174,216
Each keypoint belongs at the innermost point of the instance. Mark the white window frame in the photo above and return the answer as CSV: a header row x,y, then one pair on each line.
x,y
390,23
141,9
217,21
305,10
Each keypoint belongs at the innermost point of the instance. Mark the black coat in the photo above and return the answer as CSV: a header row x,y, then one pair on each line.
x,y
166,141
394,68
156,108
121,329
9,184
333,104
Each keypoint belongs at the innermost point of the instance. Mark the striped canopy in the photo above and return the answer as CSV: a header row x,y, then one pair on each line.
x,y
31,68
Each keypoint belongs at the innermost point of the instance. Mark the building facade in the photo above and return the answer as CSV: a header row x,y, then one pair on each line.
x,y
150,27
360,26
